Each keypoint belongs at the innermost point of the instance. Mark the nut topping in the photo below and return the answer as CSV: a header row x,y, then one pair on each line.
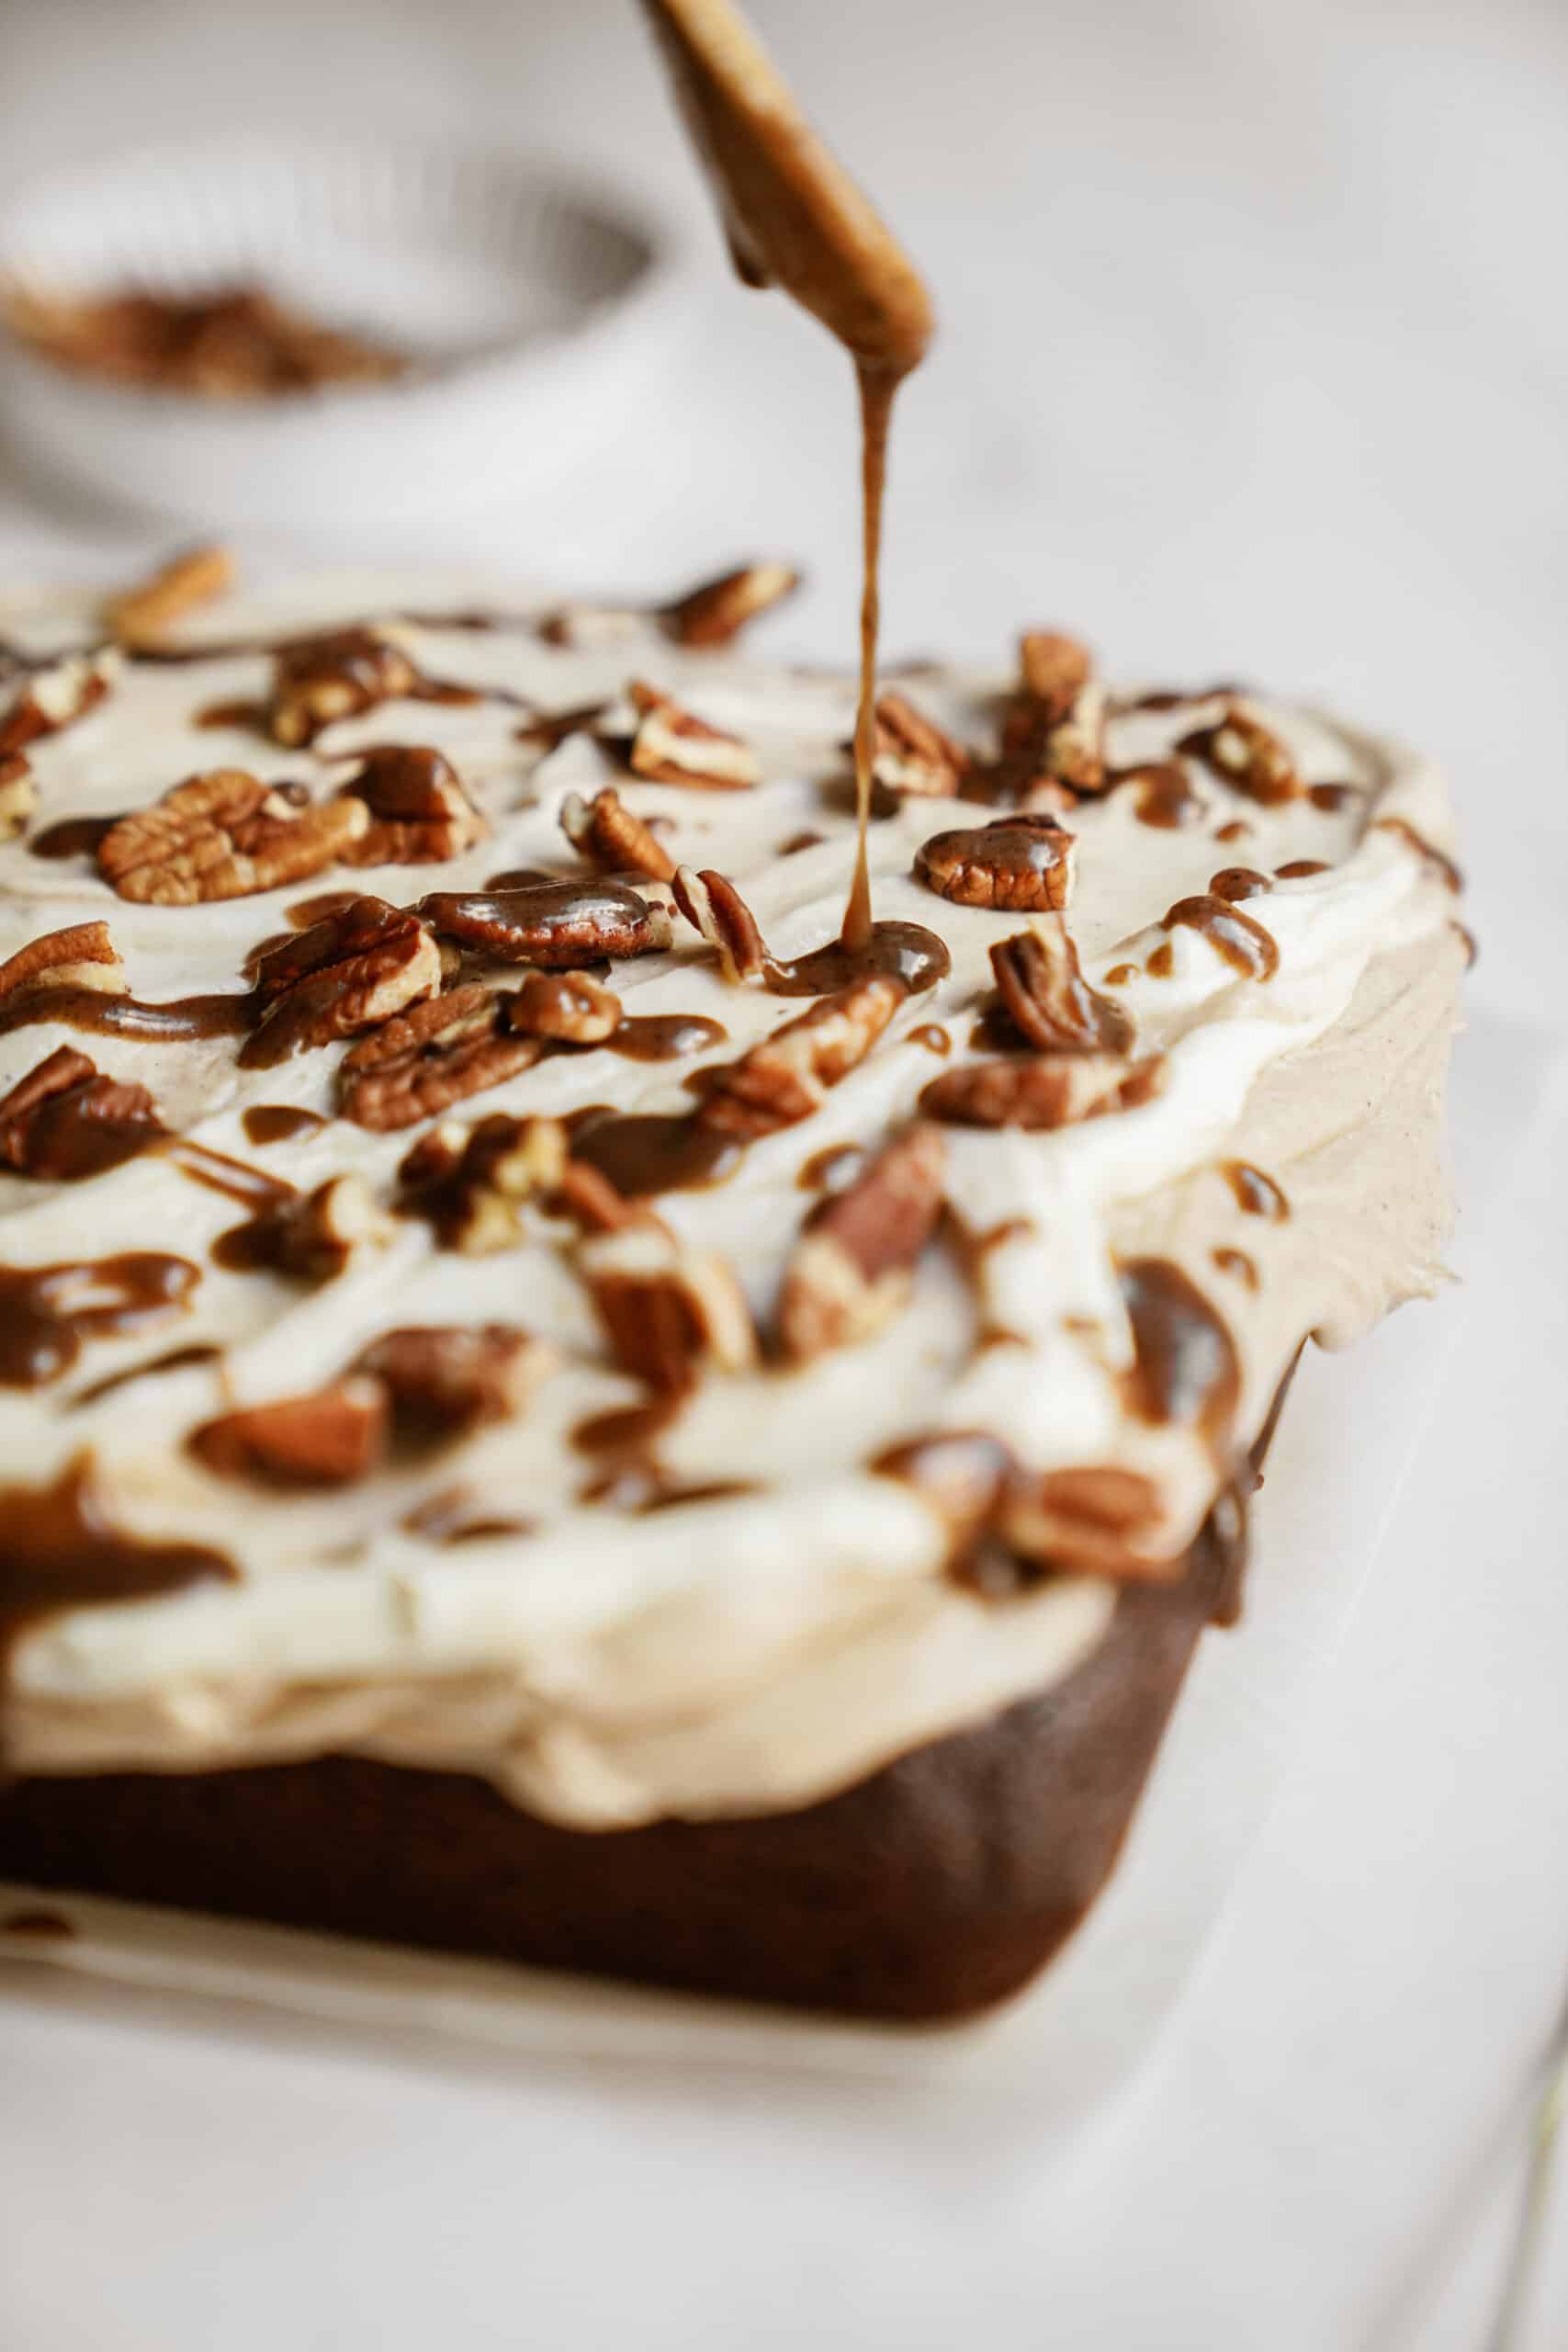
x,y
319,680
66,1120
671,745
715,612
315,1235
18,795
419,810
852,1266
567,1006
713,905
1046,1090
558,924
1246,754
50,699
613,837
444,1381
1096,1517
471,1184
83,955
787,1075
425,1059
669,1313
1057,718
1049,1001
350,972
1016,864
143,615
913,754
330,1437
223,835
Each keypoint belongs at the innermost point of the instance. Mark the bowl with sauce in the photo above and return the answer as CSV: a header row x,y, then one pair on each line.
x,y
280,335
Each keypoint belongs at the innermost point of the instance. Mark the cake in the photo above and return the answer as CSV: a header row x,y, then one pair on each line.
x,y
549,1408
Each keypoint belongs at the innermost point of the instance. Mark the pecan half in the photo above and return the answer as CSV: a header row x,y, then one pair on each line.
x,y
1047,1091
425,1059
419,810
444,1380
471,1184
1016,864
852,1266
786,1076
713,905
223,835
613,837
143,613
558,924
1246,754
48,700
715,612
668,1312
83,955
1057,717
913,754
350,972
567,1006
330,1438
671,745
319,680
315,1235
1047,999
18,795
66,1120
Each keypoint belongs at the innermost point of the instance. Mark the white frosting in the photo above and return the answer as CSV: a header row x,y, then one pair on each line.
x,y
756,1651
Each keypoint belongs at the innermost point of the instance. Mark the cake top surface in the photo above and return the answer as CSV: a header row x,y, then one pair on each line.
x,y
487,1277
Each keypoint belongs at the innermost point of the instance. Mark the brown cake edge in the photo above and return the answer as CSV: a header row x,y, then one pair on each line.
x,y
933,1887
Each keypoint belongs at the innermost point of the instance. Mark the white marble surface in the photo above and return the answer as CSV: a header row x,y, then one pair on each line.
x,y
1255,361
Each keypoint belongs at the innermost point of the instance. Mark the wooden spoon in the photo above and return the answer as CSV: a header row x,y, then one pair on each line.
x,y
793,216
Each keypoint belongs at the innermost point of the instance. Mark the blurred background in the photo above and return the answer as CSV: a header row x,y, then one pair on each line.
x,y
1253,359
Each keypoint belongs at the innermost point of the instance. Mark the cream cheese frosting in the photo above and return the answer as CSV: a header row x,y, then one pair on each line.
x,y
756,1647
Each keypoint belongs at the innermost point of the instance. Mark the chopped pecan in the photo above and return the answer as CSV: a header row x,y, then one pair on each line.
x,y
715,612
564,1005
419,810
913,755
587,1196
1248,754
83,955
330,1438
1049,1001
558,924
1095,1517
444,1380
143,615
315,1235
319,680
1057,717
1016,864
45,701
713,905
1047,1091
223,835
350,972
18,793
854,1263
471,1183
66,1120
425,1059
668,1312
671,745
786,1076
613,837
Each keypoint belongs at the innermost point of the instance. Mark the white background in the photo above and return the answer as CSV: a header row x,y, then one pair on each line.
x,y
1255,362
